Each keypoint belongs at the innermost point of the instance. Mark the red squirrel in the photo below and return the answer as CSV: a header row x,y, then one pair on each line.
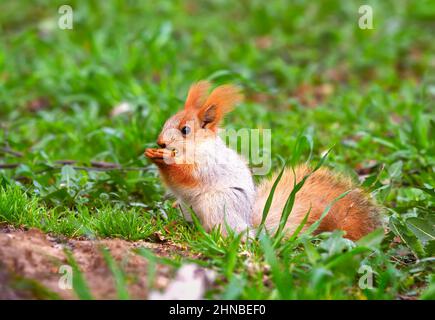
x,y
203,173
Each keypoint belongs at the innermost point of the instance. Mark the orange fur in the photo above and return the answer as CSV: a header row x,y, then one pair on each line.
x,y
179,175
223,99
197,95
355,213
173,174
189,116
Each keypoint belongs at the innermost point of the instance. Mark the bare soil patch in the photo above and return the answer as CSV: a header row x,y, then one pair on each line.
x,y
30,262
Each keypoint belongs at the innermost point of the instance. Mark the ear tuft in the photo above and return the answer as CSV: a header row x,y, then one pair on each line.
x,y
221,101
225,97
197,95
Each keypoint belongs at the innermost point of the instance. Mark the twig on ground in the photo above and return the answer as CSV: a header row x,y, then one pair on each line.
x,y
9,165
11,152
95,166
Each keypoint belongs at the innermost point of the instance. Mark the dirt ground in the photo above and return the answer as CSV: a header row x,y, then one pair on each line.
x,y
31,265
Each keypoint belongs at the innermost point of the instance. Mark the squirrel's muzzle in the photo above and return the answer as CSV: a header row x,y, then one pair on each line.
x,y
161,144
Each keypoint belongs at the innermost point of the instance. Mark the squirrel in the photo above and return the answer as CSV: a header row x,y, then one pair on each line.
x,y
216,182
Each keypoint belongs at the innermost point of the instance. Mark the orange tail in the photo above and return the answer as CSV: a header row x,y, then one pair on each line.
x,y
355,213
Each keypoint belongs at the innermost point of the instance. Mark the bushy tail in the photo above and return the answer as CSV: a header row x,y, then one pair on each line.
x,y
355,213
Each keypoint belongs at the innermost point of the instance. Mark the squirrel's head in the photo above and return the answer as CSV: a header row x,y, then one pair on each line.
x,y
199,121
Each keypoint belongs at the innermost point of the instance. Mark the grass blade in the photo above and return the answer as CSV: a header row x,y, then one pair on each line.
x,y
316,224
118,275
281,279
291,200
296,154
300,226
80,285
406,235
269,200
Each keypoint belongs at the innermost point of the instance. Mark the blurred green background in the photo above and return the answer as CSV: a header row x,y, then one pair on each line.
x,y
305,67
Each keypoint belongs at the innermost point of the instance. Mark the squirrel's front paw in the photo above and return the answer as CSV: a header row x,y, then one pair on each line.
x,y
160,156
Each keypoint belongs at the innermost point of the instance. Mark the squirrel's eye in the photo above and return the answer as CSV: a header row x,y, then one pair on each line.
x,y
185,130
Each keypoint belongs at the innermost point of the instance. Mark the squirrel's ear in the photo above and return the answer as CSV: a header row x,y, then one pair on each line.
x,y
197,95
221,101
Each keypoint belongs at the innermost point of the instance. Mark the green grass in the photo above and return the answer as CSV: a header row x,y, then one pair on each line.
x,y
308,72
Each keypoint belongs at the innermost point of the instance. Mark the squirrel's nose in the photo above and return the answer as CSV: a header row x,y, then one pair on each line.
x,y
161,144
